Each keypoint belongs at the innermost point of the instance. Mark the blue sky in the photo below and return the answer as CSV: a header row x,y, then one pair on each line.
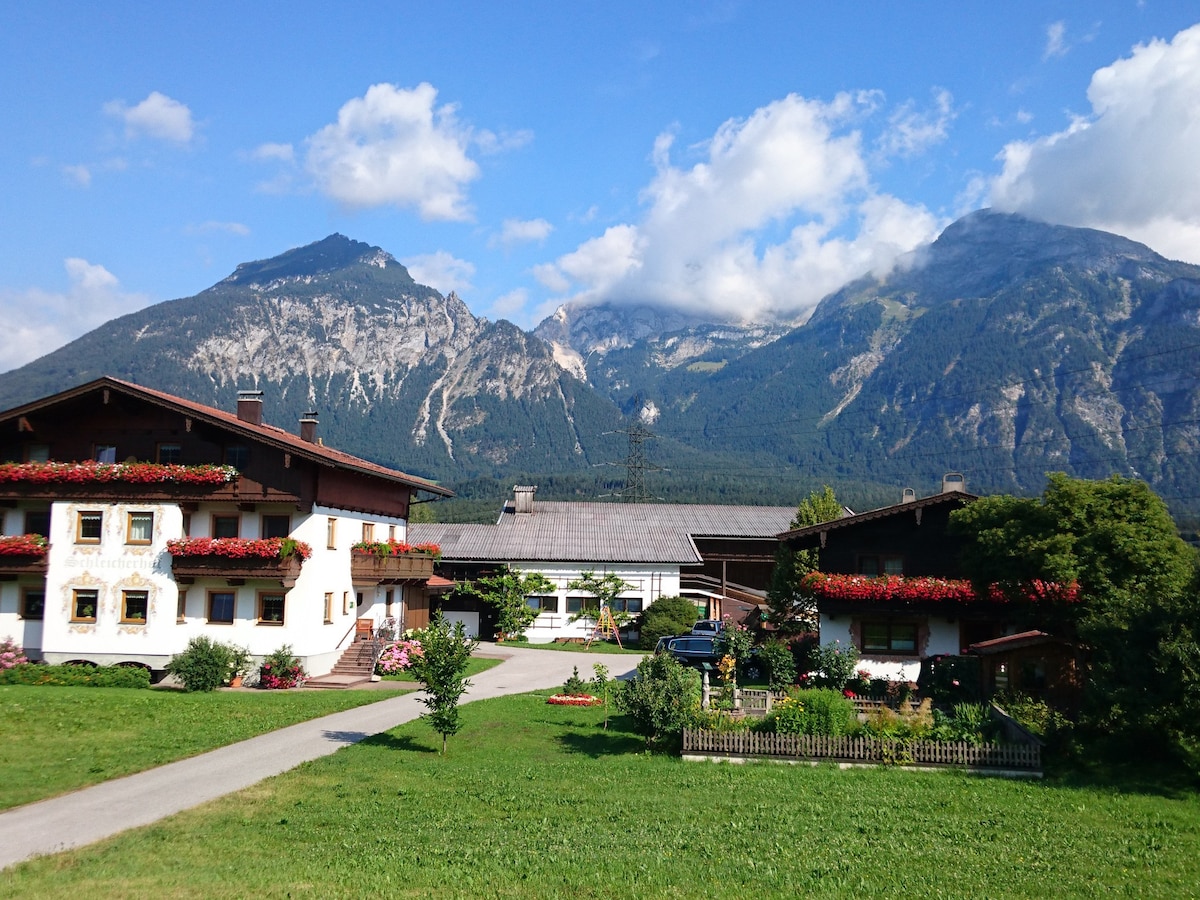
x,y
741,159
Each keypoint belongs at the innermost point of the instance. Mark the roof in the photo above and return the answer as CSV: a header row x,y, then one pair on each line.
x,y
267,434
1013,642
883,512
602,532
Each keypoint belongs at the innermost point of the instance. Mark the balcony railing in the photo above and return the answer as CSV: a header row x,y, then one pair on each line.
x,y
188,568
368,568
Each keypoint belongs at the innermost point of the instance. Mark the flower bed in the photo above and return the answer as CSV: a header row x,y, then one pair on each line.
x,y
240,548
23,545
574,700
127,473
898,588
398,657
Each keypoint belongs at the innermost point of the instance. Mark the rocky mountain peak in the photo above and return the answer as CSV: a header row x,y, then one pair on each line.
x,y
334,254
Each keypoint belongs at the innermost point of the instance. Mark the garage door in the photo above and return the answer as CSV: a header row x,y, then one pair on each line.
x,y
470,620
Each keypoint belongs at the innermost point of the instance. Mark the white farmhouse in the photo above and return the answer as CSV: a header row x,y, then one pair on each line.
x,y
111,472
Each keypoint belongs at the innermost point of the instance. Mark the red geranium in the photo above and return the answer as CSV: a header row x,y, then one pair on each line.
x,y
393,548
240,548
23,545
898,588
575,700
89,472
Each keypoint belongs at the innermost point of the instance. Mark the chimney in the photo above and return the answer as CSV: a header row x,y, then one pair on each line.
x,y
308,427
523,497
953,481
250,407
908,495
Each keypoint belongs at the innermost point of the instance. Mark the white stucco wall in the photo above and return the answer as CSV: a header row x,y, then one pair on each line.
x,y
943,638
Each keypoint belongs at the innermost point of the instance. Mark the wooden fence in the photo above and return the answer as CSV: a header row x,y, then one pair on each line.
x,y
744,744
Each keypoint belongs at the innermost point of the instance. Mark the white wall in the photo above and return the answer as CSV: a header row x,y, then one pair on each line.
x,y
943,638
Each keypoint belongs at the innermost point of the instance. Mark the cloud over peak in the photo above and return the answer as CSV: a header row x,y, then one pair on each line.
x,y
158,116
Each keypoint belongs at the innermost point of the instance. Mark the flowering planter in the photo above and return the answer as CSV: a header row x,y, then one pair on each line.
x,y
851,589
11,564
370,569
285,570
94,480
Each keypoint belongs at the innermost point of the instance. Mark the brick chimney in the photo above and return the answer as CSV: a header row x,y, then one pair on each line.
x,y
308,427
249,408
523,497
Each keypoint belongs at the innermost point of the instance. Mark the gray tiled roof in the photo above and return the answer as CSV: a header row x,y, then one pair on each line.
x,y
602,532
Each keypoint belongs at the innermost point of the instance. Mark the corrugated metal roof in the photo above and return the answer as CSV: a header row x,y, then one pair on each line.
x,y
958,497
602,532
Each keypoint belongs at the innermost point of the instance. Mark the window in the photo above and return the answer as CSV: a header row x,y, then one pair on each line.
x,y
105,453
359,600
368,532
331,533
169,454
226,526
33,603
140,528
627,604
37,453
345,603
220,607
181,606
187,524
84,605
134,606
270,609
893,565
37,521
90,525
237,455
388,600
543,604
880,565
889,637
276,526
328,608
391,532
579,604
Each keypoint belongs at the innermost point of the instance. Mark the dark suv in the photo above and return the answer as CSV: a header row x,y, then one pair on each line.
x,y
691,649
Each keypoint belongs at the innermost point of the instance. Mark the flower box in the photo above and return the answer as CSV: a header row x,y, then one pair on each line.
x,y
274,558
116,481
920,590
366,568
23,554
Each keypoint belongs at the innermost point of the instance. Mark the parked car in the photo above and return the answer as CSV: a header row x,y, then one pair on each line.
x,y
708,627
692,650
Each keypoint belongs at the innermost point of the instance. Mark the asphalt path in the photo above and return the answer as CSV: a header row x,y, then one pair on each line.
x,y
94,813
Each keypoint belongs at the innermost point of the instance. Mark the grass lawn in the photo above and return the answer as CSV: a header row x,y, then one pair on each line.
x,y
536,801
476,665
58,739
596,647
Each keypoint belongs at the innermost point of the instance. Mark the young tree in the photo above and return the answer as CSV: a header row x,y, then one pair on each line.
x,y
445,652
605,589
509,591
1136,614
789,607
660,698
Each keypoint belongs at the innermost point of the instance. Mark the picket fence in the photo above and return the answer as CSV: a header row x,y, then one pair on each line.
x,y
743,744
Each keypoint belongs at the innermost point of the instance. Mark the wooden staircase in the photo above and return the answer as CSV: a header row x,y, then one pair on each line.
x,y
356,666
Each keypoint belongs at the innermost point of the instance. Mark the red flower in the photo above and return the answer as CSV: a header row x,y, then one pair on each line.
x,y
23,545
240,548
898,588
393,548
88,472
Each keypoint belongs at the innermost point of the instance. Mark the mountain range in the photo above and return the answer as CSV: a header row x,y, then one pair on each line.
x,y
1005,349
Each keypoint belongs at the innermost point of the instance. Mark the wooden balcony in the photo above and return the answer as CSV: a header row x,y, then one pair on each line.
x,y
20,564
367,568
186,569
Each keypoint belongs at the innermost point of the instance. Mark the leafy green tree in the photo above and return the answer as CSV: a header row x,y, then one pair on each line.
x,y
445,652
606,589
664,617
1137,613
790,609
661,698
509,591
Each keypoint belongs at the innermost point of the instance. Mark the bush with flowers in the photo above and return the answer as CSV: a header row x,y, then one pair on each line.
x,y
281,670
240,548
398,657
89,472
23,545
11,654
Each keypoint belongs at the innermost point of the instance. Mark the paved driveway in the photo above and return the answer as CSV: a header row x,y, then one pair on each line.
x,y
91,814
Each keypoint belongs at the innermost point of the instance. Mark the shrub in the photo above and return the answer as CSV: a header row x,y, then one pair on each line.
x,y
661,698
77,676
398,657
776,655
834,665
969,723
664,617
575,686
203,665
11,654
1037,716
824,712
281,670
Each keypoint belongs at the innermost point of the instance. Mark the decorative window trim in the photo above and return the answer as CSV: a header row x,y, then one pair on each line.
x,y
129,517
897,632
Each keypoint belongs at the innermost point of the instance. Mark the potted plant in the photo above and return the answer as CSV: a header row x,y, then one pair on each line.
x,y
239,664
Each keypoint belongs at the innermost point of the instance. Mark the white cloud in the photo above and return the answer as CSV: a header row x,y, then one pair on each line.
x,y
209,227
441,271
158,116
510,304
795,164
912,131
392,147
276,152
40,321
491,142
79,175
1129,167
521,231
1055,40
